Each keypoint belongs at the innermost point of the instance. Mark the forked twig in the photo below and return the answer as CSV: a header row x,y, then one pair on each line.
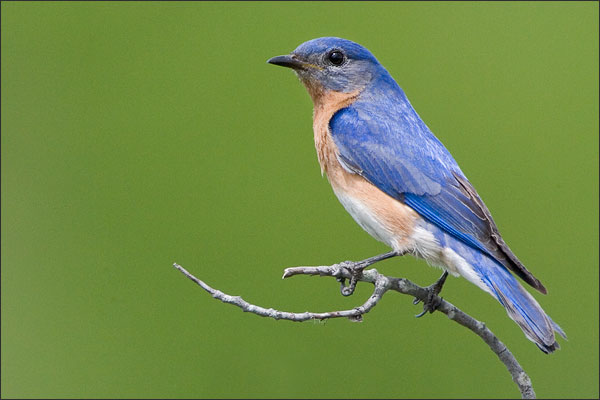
x,y
382,284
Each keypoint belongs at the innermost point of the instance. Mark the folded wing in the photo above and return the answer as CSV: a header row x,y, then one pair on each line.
x,y
398,154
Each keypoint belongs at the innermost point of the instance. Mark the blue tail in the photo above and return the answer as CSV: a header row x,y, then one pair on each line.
x,y
494,278
520,305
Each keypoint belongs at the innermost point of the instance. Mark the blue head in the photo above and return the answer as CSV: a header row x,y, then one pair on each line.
x,y
331,63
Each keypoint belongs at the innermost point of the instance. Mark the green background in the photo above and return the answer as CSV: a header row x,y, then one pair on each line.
x,y
135,135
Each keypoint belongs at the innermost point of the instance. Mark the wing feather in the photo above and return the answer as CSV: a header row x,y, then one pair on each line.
x,y
410,164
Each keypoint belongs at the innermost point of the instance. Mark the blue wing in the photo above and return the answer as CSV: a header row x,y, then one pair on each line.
x,y
391,147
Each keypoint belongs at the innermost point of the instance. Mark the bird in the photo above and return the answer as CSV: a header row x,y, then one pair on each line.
x,y
402,186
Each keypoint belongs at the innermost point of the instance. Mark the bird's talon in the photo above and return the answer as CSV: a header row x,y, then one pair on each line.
x,y
349,290
430,305
342,282
355,269
347,265
346,291
433,301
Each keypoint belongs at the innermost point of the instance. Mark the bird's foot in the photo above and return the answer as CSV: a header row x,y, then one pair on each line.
x,y
356,269
433,301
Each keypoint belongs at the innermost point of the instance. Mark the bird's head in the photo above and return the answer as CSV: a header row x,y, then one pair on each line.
x,y
331,64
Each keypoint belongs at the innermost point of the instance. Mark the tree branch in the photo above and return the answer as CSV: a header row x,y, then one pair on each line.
x,y
382,284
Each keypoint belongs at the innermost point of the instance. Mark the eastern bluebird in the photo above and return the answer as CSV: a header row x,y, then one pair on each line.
x,y
401,185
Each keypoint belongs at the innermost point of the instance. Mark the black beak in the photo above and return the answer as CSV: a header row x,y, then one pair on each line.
x,y
286,61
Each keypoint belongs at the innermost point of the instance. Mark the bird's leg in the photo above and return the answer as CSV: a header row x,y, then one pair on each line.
x,y
356,268
433,301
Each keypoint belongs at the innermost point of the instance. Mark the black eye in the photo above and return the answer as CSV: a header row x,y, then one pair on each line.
x,y
336,57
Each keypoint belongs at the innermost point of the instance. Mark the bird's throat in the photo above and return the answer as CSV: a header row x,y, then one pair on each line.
x,y
326,104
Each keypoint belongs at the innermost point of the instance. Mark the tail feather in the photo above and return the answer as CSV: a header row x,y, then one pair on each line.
x,y
557,328
496,279
521,307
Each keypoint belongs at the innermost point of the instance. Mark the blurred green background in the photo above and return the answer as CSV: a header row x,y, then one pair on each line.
x,y
135,135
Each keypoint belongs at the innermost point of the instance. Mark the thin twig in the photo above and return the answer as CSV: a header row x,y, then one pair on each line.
x,y
382,284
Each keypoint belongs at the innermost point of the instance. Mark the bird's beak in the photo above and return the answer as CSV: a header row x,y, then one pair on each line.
x,y
288,61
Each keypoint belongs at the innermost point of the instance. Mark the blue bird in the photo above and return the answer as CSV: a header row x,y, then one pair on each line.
x,y
400,183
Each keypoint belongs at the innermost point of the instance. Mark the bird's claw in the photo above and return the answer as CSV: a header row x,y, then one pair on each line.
x,y
433,301
355,269
430,305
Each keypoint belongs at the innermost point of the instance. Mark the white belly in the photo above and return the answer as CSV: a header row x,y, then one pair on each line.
x,y
366,219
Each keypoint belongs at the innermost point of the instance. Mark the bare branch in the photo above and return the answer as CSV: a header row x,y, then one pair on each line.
x,y
382,284
354,314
